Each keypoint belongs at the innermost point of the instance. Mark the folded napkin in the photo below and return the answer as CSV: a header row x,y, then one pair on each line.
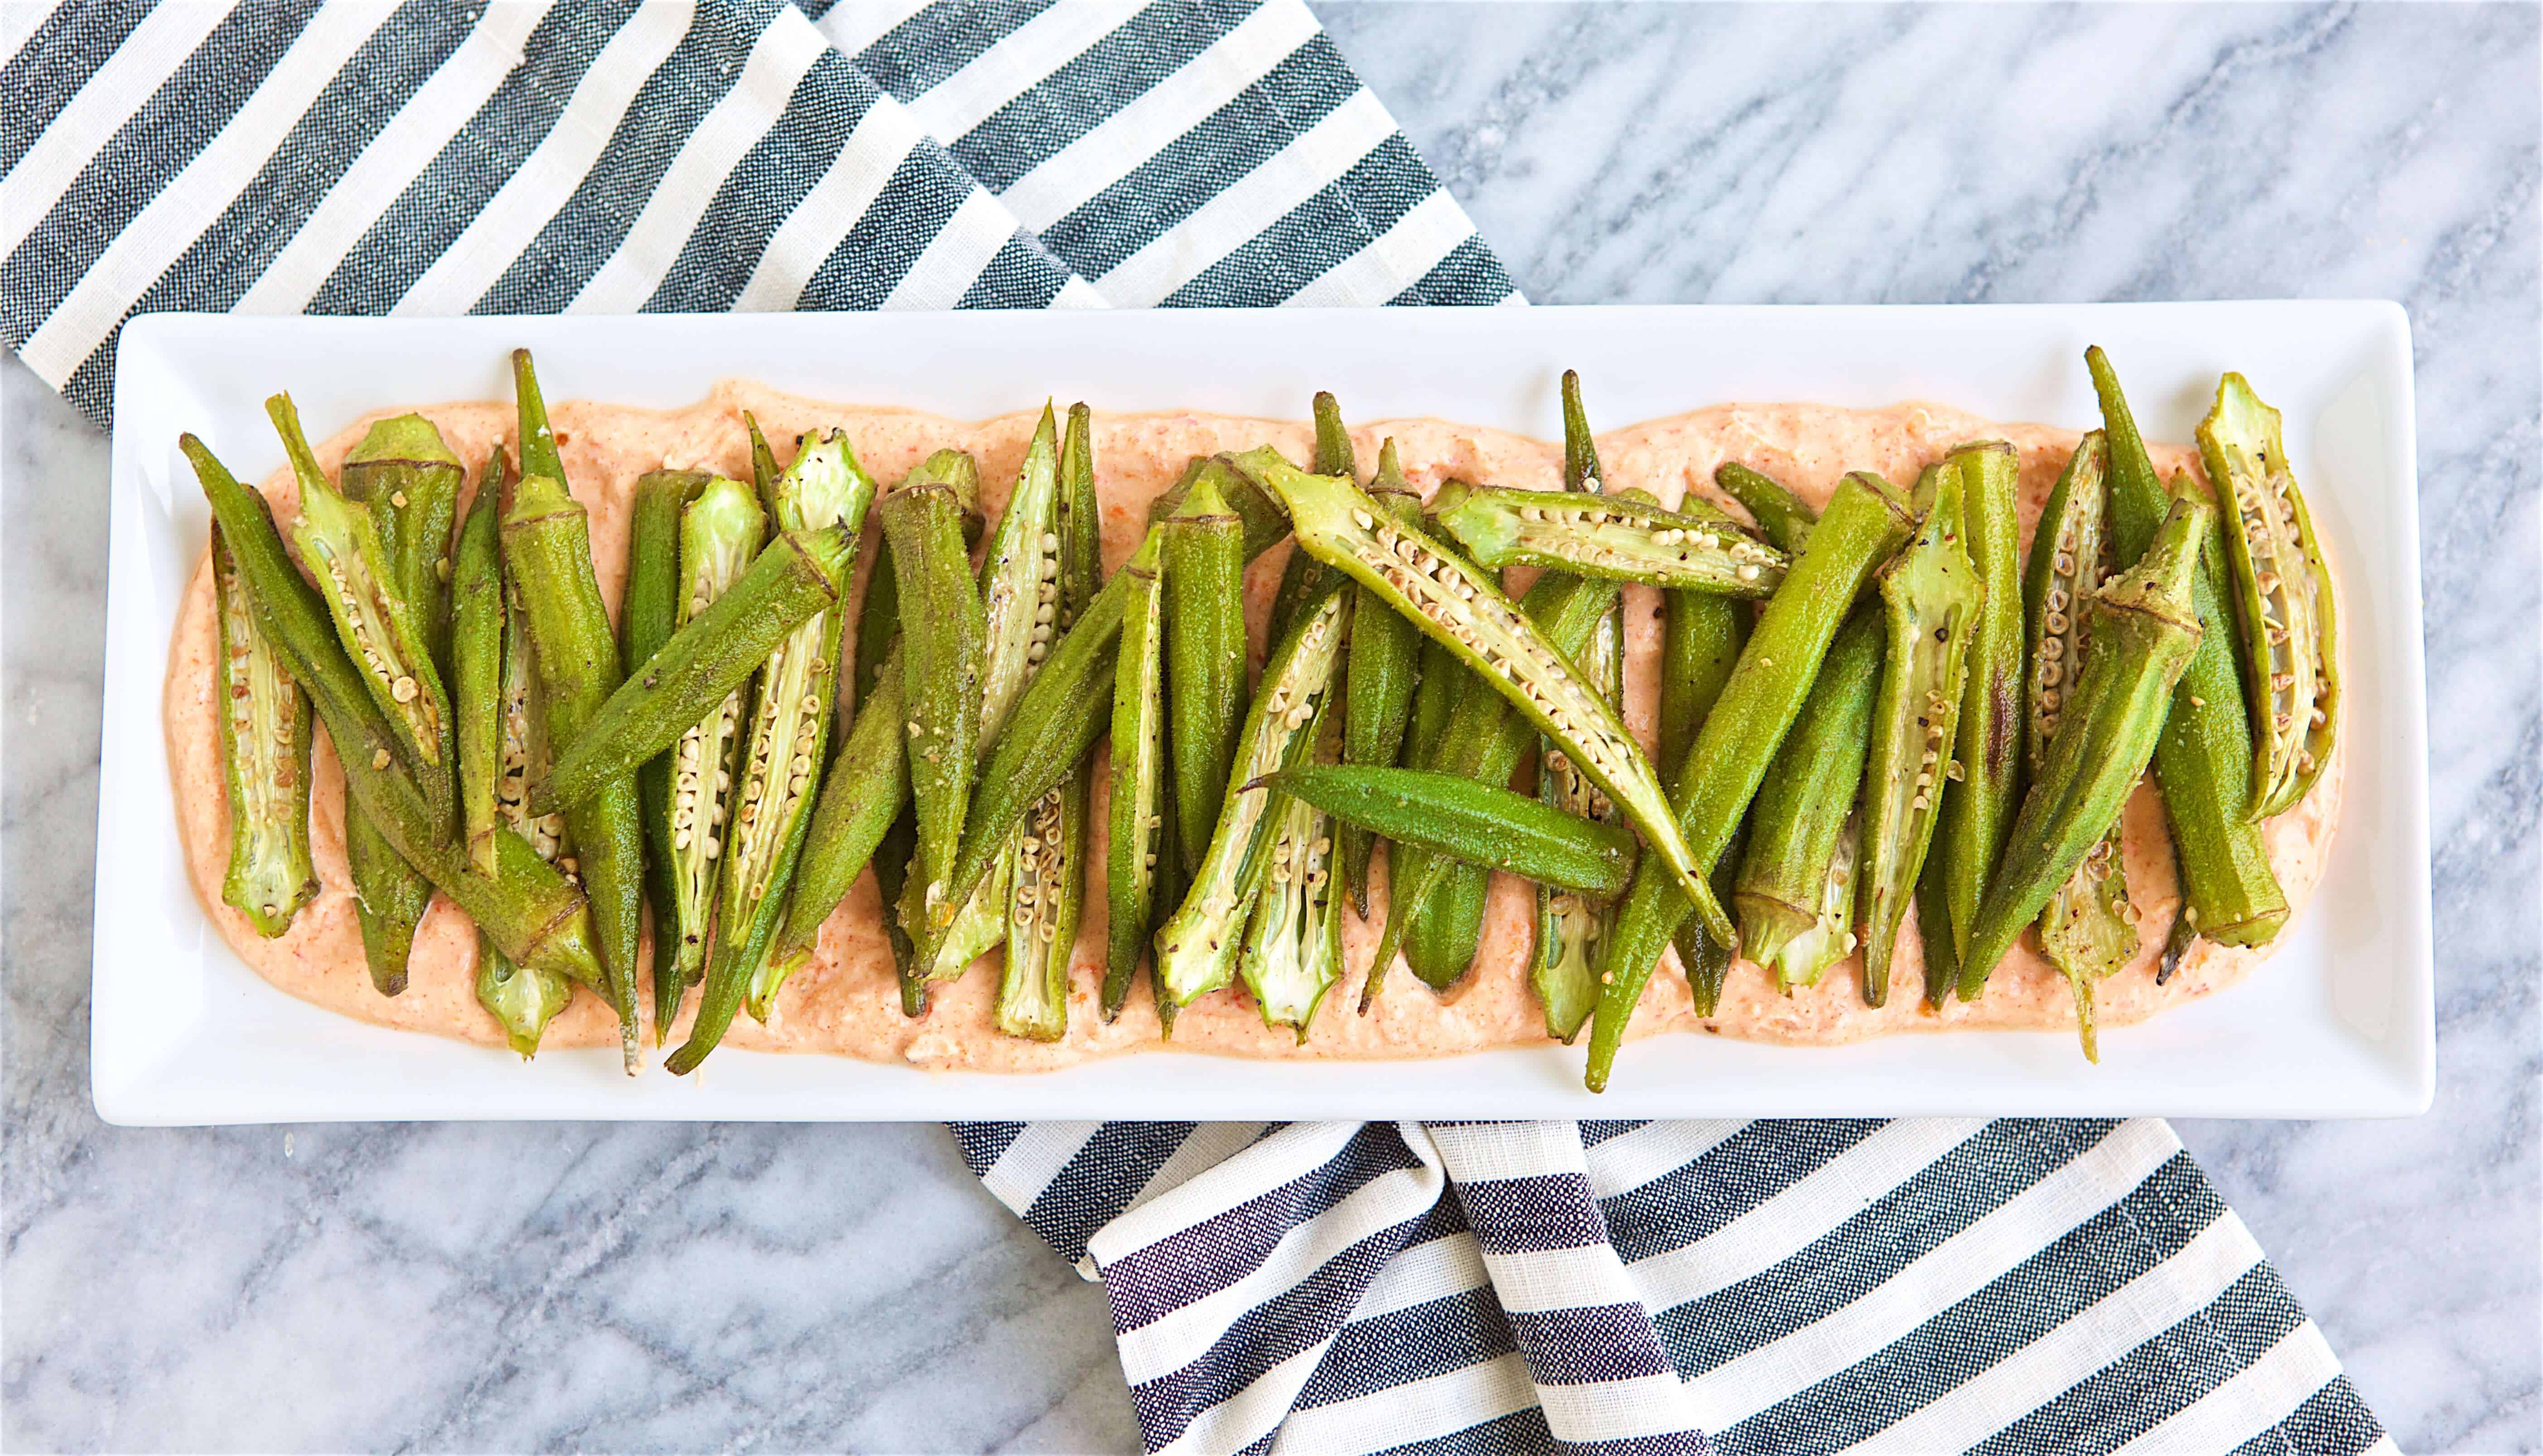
x,y
1913,1285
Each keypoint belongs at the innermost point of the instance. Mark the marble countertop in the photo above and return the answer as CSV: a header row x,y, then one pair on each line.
x,y
495,1286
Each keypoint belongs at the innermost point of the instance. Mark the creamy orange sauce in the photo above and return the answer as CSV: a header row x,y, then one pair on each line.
x,y
847,1001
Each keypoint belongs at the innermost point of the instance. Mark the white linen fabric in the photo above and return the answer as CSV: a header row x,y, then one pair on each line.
x,y
2008,1287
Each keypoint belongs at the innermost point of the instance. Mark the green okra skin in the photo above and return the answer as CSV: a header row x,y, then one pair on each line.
x,y
1943,969
1020,580
1047,856
892,861
1785,518
1460,818
406,474
390,897
340,540
720,531
1930,598
1463,606
799,577
878,626
765,472
1795,894
2203,763
1614,536
2288,642
774,782
531,911
1197,948
1203,558
649,612
522,999
1302,573
547,554
1708,960
478,614
266,735
2144,628
1378,680
1977,806
2088,931
1864,523
1139,807
1485,739
1701,636
863,793
943,630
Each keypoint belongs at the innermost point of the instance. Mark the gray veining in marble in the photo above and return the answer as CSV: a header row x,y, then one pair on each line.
x,y
502,1287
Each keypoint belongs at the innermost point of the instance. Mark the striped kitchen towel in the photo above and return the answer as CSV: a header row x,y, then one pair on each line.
x,y
1766,1286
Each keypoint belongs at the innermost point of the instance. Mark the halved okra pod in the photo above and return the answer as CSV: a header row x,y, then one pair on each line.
x,y
479,611
1138,807
532,912
2291,637
774,782
1204,583
264,762
2144,628
1380,679
1462,606
1623,539
522,999
1293,942
864,792
547,553
1197,947
1563,969
1049,854
1456,816
941,656
2204,764
1484,738
1795,889
1865,521
1784,517
1978,803
340,541
1931,597
405,470
649,613
720,533
2088,928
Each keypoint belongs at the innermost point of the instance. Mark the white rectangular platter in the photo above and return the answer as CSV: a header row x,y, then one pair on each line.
x,y
2340,1023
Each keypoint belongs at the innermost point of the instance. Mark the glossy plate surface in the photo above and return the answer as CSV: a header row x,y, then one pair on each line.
x,y
2341,1022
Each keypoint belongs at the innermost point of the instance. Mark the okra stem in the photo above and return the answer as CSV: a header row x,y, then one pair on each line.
x,y
1865,521
1785,518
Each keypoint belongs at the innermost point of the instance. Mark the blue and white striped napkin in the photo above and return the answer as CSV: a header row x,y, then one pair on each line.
x,y
1917,1285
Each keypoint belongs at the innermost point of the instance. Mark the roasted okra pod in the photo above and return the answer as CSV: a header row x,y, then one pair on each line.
x,y
1204,555
864,792
1930,598
2203,763
521,999
2289,643
1139,805
1865,521
1795,889
2089,929
1458,817
264,762
2144,628
1381,678
941,653
1196,949
1619,538
1978,802
479,612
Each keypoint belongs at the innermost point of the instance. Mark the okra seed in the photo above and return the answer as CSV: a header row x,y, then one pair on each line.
x,y
379,758
1363,520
